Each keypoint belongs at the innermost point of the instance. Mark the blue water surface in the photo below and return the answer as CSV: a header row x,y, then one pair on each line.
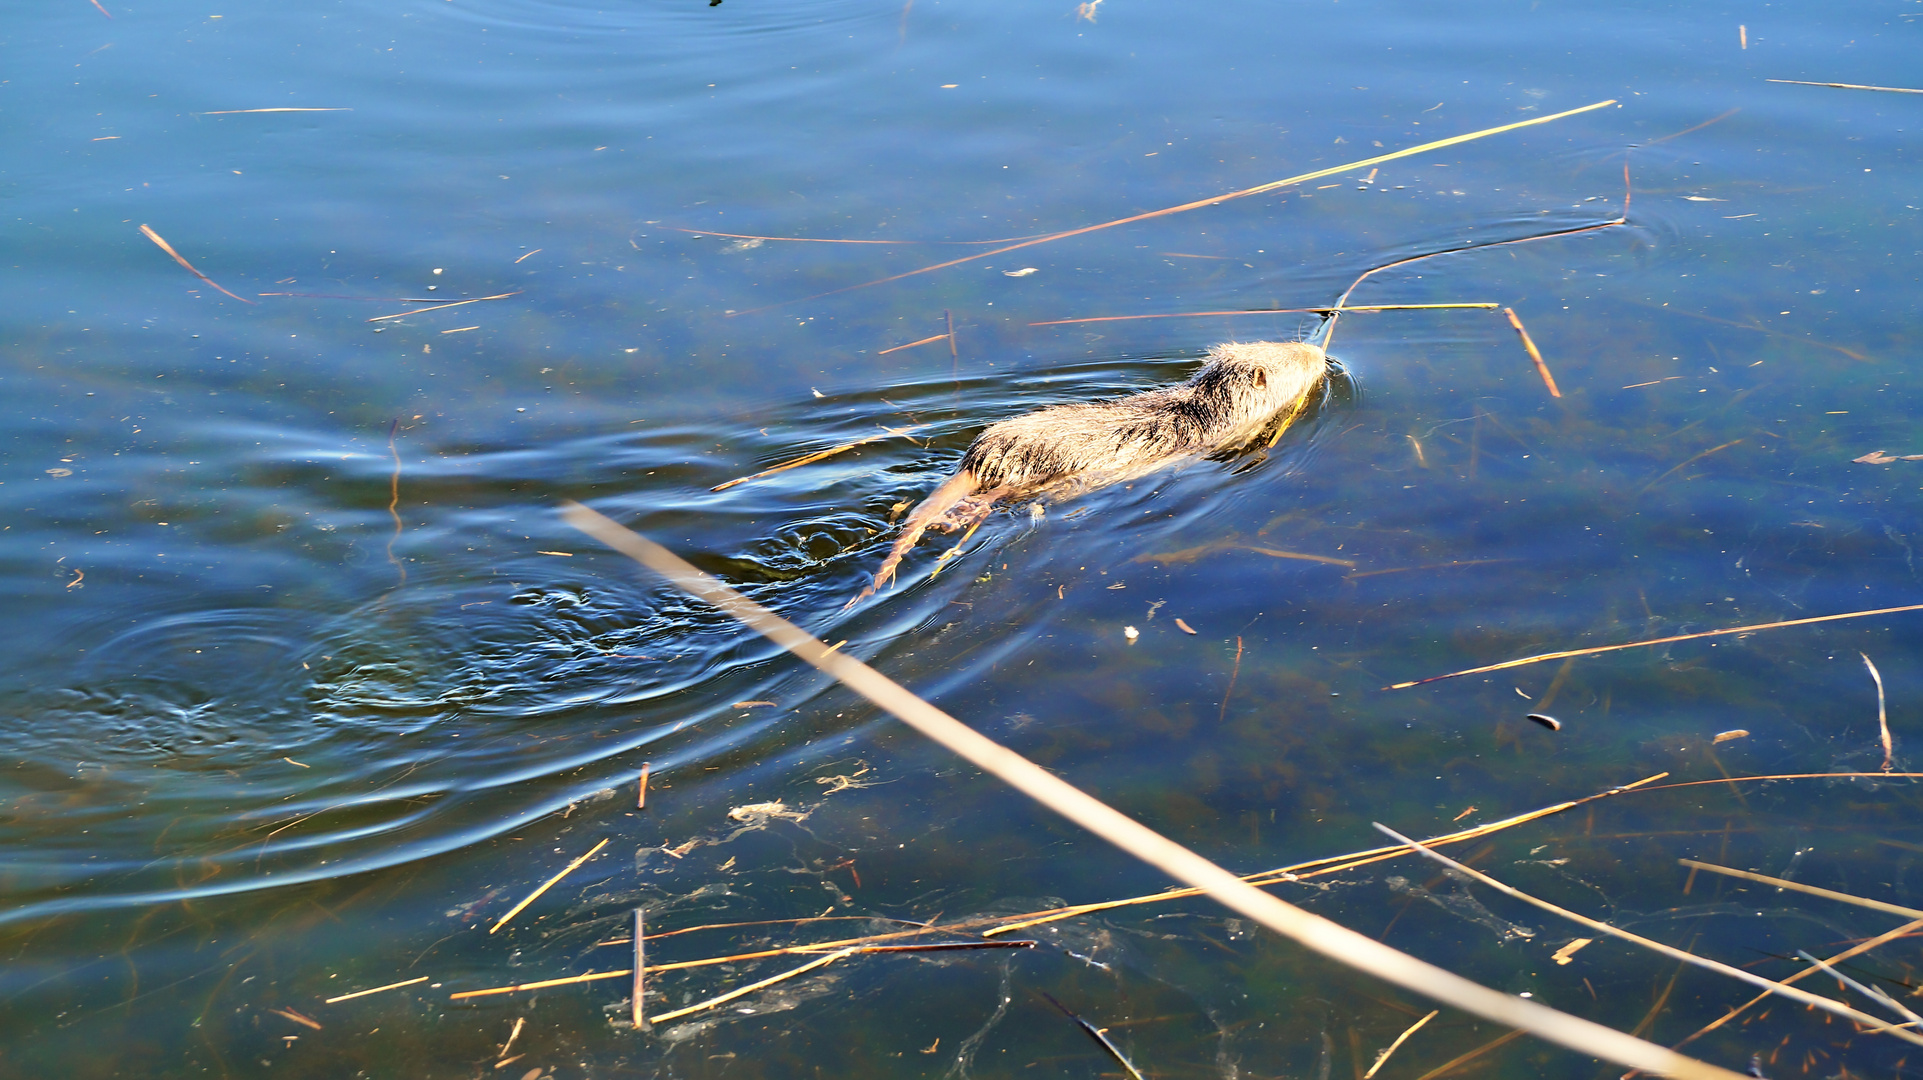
x,y
316,313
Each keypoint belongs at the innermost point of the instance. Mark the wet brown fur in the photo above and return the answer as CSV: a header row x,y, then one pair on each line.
x,y
1242,389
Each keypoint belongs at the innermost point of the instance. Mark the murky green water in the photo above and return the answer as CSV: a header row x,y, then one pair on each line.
x,y
308,684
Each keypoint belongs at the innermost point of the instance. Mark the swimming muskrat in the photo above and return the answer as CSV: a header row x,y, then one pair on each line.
x,y
1243,389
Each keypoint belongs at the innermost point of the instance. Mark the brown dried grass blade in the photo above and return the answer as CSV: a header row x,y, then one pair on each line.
x,y
752,987
1484,305
548,884
1851,353
1506,664
542,985
819,455
1460,1060
150,234
1849,86
437,307
1214,200
1806,998
824,240
1718,118
1693,459
1535,354
1383,1057
375,990
1312,931
1882,714
1880,939
912,344
1334,864
1811,890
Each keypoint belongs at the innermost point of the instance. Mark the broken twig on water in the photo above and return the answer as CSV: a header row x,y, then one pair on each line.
x,y
1535,354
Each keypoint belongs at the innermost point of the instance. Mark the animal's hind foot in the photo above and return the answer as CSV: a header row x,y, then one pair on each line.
x,y
969,512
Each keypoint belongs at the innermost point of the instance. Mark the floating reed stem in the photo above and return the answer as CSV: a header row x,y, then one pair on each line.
x,y
1827,894
1213,200
1096,1034
546,885
1400,1039
150,234
1856,950
912,344
641,789
1691,460
1535,354
1882,713
591,976
1481,305
1237,670
1816,1000
1873,993
375,990
1460,1060
809,459
1320,935
752,987
437,307
1319,867
1506,664
1849,86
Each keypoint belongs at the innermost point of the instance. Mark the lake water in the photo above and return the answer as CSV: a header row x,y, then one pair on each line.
x,y
308,683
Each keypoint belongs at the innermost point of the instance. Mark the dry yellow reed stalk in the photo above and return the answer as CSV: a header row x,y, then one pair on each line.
x,y
1793,886
150,234
546,885
1815,1000
1312,931
1654,641
1213,200
375,990
1535,354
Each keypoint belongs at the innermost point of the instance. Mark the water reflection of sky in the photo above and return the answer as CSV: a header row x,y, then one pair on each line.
x,y
308,682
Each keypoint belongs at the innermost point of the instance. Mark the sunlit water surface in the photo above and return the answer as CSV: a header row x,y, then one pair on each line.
x,y
308,684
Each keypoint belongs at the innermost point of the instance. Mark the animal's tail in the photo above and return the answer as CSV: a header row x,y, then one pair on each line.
x,y
959,487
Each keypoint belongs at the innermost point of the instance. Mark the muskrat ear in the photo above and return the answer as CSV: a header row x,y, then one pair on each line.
x,y
1261,380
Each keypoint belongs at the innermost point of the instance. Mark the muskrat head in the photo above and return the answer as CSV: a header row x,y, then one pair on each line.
x,y
1254,380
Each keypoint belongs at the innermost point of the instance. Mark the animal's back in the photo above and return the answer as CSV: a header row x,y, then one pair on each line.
x,y
1243,386
1242,389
